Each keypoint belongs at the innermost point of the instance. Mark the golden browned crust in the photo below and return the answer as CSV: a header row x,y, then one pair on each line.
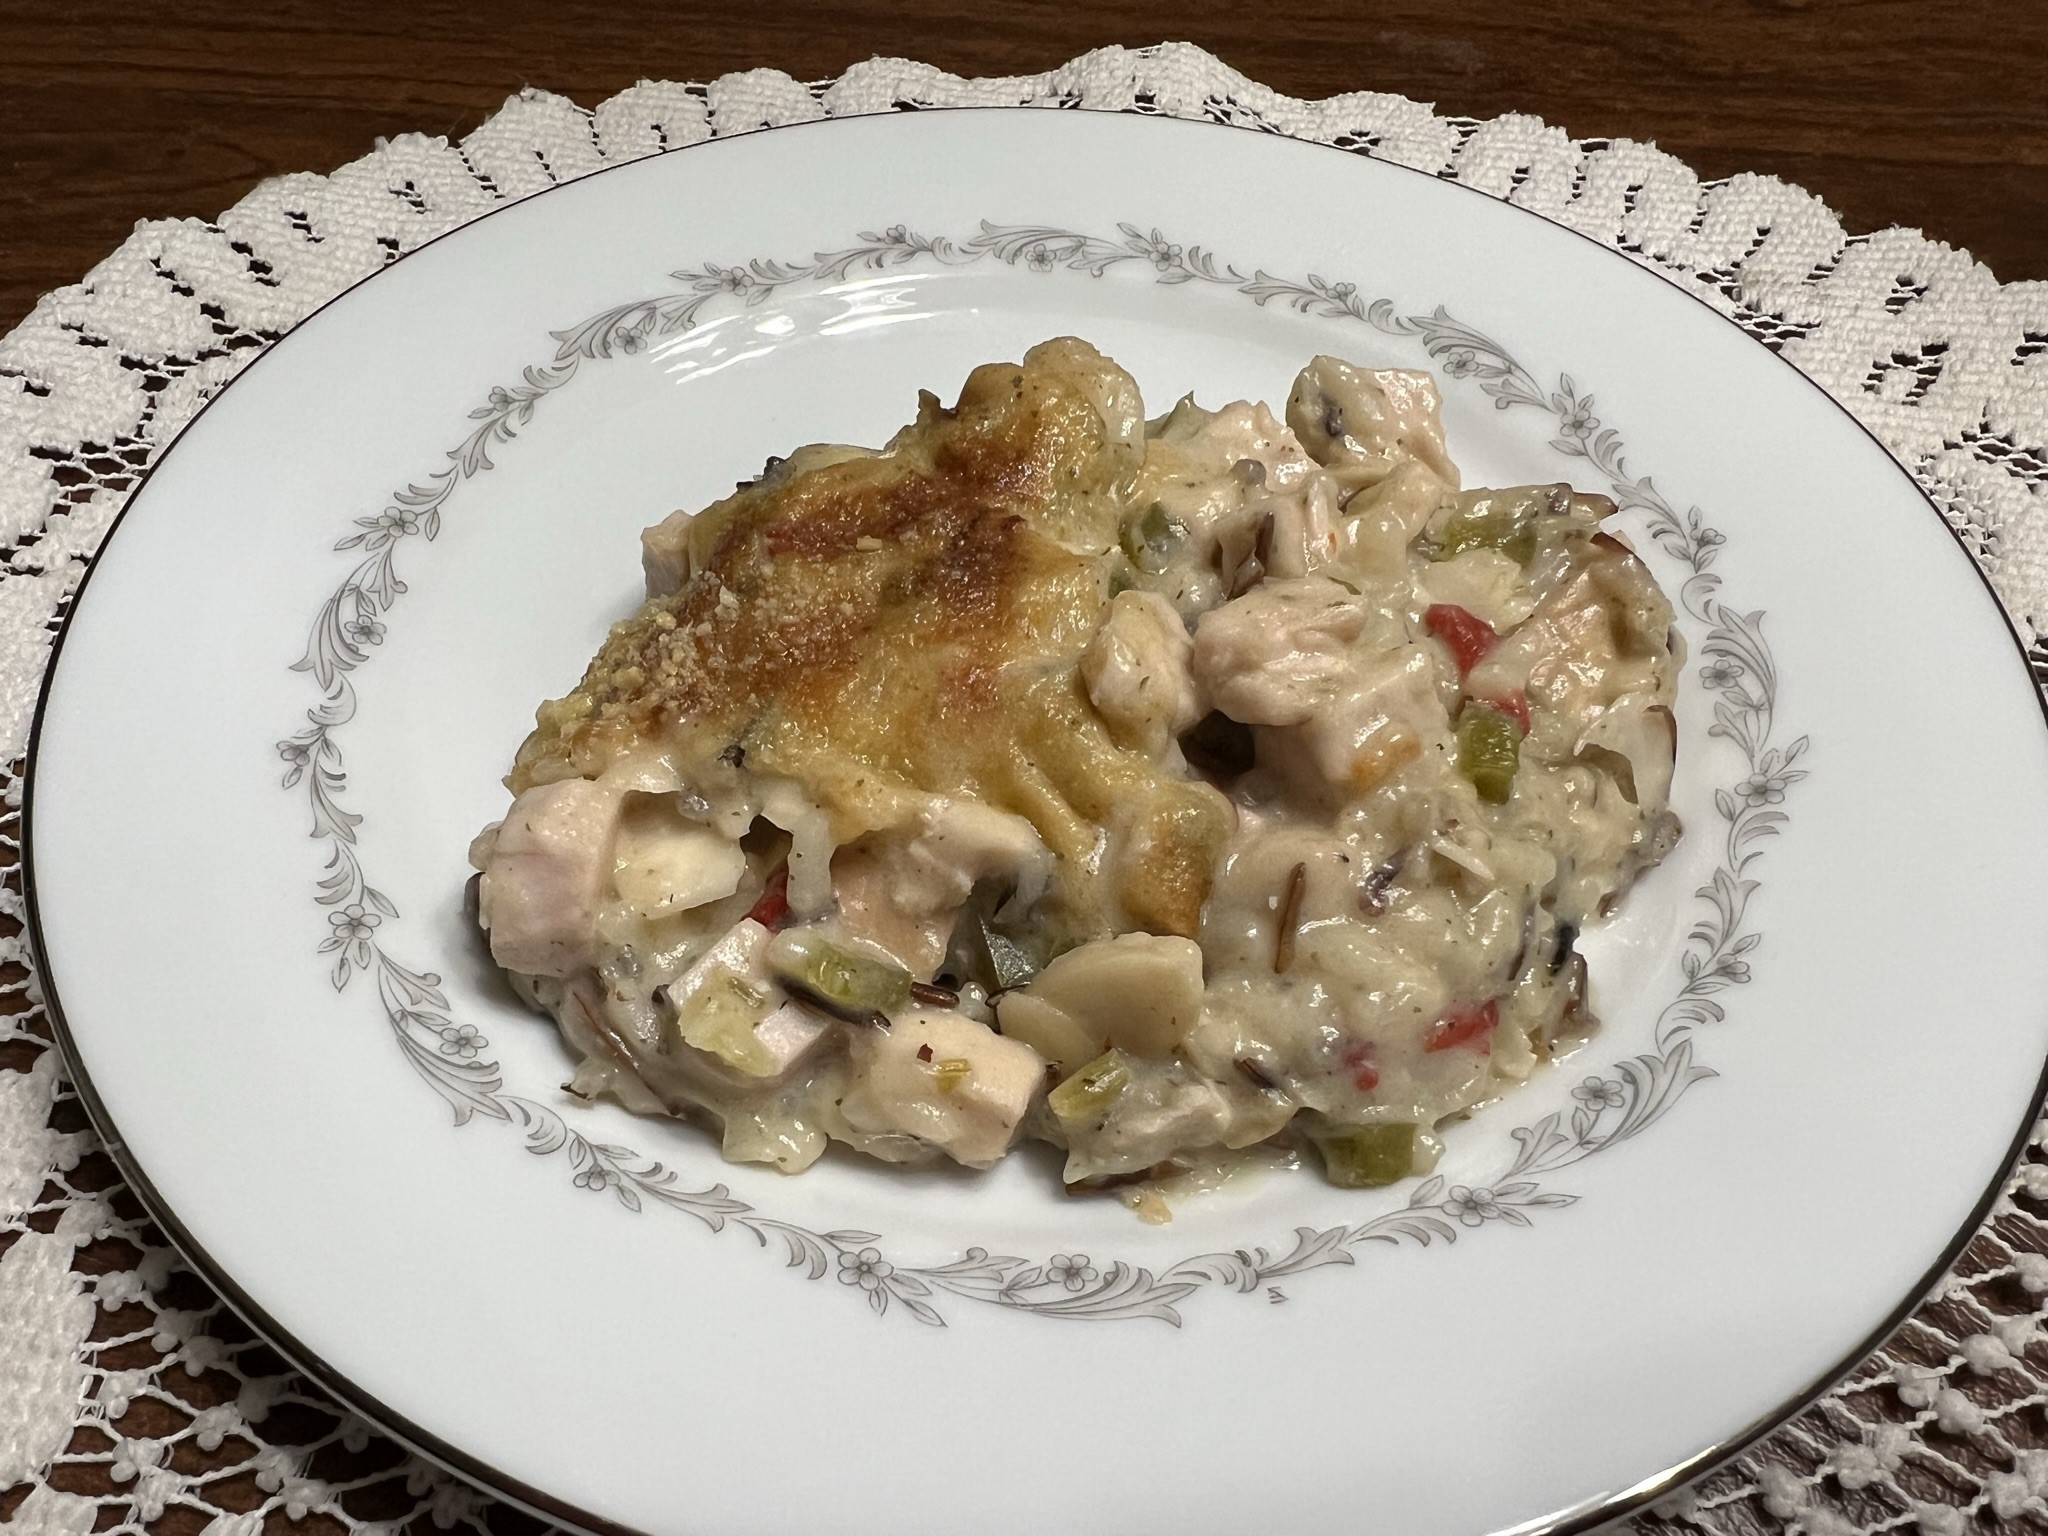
x,y
887,627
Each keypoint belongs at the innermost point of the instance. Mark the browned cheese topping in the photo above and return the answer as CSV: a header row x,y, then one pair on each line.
x,y
914,621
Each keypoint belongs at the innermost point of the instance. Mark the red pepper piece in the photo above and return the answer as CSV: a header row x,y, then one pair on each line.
x,y
1514,705
773,906
1465,1026
1365,1072
1469,636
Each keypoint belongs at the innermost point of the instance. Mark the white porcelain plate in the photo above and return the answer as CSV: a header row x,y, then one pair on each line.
x,y
335,603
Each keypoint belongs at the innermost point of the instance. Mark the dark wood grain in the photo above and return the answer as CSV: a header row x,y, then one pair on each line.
x,y
1925,114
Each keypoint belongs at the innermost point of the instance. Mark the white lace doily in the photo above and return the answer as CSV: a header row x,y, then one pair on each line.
x,y
131,1400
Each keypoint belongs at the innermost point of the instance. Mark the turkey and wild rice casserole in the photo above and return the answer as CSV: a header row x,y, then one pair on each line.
x,y
1158,789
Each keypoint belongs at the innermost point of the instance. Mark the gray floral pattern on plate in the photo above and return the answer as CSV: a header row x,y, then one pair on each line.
x,y
1736,668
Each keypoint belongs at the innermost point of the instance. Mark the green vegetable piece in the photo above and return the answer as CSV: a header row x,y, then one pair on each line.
x,y
719,1019
1151,539
1489,751
1007,962
981,953
951,1072
1502,520
1367,1156
845,980
1088,1094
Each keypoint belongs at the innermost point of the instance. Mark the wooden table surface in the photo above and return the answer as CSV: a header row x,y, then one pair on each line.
x,y
1916,112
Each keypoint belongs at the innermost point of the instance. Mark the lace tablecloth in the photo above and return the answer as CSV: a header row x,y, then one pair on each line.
x,y
132,1400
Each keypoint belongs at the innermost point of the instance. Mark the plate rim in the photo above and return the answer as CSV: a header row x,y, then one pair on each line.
x,y
536,1501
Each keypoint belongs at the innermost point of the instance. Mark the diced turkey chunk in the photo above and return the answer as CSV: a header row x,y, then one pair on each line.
x,y
740,953
1203,444
662,863
1138,991
1640,732
900,892
546,875
1597,636
939,1076
665,553
1158,1115
1380,521
1274,655
1386,712
1304,531
1640,612
728,1007
1137,672
867,885
1368,421
963,841
1281,655
788,1034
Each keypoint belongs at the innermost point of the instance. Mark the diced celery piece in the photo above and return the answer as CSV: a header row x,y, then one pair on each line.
x,y
719,1018
1088,1094
1367,1156
1489,751
951,1072
841,978
1502,520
